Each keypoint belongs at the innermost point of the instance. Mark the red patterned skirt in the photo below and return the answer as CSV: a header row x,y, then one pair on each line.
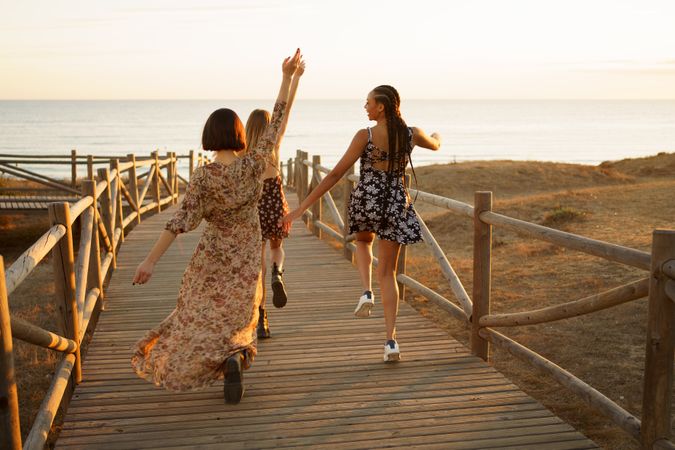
x,y
272,207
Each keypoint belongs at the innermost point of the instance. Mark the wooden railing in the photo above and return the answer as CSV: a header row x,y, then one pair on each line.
x,y
654,430
79,275
16,165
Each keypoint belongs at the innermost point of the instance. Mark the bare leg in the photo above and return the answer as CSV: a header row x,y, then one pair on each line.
x,y
364,258
277,253
386,275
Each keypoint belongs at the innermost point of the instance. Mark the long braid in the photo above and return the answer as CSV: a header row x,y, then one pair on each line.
x,y
397,134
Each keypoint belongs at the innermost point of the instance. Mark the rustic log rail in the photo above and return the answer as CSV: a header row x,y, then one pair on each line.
x,y
80,273
654,430
15,166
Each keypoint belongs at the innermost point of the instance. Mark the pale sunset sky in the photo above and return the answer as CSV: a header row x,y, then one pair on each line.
x,y
450,49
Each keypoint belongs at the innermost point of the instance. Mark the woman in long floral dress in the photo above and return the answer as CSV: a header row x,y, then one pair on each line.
x,y
211,334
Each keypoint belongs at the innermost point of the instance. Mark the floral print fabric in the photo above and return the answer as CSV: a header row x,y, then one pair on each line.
x,y
271,208
379,203
217,307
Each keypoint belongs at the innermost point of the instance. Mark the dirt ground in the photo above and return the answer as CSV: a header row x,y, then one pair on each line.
x,y
619,202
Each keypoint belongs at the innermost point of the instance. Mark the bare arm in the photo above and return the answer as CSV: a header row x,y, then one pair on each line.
x,y
144,270
291,98
348,159
421,139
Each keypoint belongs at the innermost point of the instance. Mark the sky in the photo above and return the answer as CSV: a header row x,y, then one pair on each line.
x,y
452,49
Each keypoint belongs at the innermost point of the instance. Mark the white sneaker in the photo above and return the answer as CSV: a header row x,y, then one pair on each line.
x,y
391,351
364,306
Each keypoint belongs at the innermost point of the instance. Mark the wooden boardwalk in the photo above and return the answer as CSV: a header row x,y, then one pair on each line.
x,y
319,382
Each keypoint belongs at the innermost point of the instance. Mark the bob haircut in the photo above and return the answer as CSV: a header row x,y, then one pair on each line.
x,y
223,130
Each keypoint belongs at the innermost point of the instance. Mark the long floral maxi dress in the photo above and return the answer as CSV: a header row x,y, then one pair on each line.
x,y
217,308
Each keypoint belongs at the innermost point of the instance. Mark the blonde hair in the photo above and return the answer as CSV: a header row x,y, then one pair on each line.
x,y
256,125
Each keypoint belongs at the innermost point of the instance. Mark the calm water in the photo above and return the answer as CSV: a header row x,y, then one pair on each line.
x,y
553,130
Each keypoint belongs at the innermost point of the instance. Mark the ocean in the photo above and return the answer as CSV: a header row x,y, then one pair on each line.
x,y
576,131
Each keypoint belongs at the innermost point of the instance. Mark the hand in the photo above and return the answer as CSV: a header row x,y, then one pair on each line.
x,y
289,218
291,63
301,68
143,272
436,136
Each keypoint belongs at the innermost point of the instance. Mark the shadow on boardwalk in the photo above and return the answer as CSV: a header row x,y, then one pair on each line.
x,y
319,382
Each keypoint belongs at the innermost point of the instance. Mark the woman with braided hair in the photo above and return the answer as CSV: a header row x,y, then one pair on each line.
x,y
379,204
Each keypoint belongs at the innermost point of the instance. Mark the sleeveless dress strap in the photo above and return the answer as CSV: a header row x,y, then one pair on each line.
x,y
370,135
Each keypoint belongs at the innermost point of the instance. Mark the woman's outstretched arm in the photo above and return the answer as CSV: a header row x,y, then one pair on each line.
x,y
421,139
348,159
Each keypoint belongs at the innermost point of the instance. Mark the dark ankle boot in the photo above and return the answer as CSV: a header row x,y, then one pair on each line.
x,y
263,328
233,387
279,297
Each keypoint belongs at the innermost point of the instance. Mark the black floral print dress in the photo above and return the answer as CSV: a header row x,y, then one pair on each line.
x,y
380,203
271,208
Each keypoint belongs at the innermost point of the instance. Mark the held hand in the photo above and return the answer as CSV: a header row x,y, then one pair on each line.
x,y
143,272
290,64
436,136
289,218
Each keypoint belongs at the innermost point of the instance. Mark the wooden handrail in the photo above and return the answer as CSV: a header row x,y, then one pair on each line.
x,y
29,259
628,422
45,417
613,297
448,272
35,335
605,250
79,207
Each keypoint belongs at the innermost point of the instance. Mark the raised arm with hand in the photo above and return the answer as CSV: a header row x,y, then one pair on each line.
x,y
267,142
299,71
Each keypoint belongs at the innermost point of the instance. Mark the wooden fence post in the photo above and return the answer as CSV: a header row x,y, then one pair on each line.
x,y
482,247
346,194
402,254
9,400
73,168
169,175
174,177
64,274
296,175
133,185
106,211
658,377
155,183
290,173
119,217
304,177
94,278
317,207
90,167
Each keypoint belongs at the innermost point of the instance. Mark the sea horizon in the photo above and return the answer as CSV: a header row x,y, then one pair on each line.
x,y
581,131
